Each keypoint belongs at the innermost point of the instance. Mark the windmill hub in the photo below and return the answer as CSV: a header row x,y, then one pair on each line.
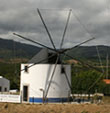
x,y
61,51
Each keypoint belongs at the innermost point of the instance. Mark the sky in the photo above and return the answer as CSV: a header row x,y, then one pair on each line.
x,y
89,18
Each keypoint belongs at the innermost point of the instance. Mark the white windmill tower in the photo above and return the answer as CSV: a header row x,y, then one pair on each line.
x,y
46,78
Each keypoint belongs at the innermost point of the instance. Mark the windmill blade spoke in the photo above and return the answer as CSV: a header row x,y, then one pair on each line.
x,y
46,93
65,28
46,28
83,63
33,41
80,44
40,61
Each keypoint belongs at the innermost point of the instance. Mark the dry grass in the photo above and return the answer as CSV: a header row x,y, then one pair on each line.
x,y
54,108
106,100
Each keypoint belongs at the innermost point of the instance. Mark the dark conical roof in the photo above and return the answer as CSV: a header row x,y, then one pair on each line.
x,y
43,57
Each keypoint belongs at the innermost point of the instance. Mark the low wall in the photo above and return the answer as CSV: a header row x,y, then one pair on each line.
x,y
10,98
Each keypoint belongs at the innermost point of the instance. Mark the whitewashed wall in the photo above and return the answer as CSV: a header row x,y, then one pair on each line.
x,y
10,98
38,77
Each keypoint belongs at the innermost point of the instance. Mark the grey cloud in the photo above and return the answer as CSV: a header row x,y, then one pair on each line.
x,y
21,17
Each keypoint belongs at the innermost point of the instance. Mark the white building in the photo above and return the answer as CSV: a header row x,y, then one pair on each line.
x,y
4,84
37,85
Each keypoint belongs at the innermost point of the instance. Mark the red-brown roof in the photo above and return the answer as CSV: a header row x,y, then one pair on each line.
x,y
107,81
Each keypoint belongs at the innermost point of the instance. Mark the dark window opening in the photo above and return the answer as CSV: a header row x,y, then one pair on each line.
x,y
62,70
5,89
26,68
25,93
0,88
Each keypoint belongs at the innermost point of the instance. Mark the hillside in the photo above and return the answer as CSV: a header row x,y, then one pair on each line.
x,y
10,49
90,52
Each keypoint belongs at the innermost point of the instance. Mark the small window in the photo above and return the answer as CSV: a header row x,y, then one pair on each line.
x,y
5,89
26,69
0,88
62,70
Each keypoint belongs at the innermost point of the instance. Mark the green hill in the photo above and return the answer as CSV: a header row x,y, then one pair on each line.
x,y
90,52
10,49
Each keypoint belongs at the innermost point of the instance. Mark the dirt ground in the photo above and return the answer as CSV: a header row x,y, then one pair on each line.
x,y
54,108
103,107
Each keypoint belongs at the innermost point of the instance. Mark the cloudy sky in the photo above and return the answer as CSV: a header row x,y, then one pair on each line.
x,y
89,18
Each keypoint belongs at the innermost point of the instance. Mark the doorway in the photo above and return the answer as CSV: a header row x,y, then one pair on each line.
x,y
25,93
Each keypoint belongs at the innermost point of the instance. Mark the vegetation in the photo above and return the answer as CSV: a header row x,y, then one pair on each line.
x,y
84,82
11,72
87,81
90,52
10,49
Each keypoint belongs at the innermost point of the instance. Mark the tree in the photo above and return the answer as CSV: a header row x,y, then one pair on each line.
x,y
83,82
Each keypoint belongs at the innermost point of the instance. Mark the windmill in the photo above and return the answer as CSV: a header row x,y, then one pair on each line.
x,y
54,83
